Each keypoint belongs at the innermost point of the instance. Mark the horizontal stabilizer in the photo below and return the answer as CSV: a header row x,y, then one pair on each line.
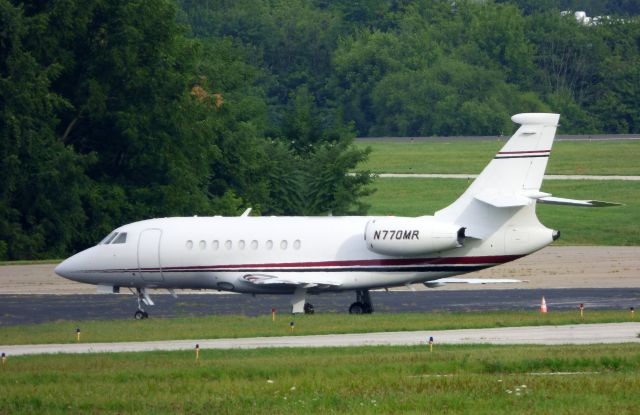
x,y
503,200
572,202
452,280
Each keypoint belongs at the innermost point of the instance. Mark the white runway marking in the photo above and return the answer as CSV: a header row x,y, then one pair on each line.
x,y
570,334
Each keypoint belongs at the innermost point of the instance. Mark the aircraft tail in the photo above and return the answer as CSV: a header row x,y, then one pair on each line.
x,y
511,181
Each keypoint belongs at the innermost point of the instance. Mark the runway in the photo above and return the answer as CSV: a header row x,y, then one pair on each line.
x,y
547,335
32,309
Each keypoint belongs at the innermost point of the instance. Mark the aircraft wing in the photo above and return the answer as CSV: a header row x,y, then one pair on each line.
x,y
452,280
265,279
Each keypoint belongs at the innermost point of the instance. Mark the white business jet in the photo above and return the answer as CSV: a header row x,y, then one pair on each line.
x,y
493,222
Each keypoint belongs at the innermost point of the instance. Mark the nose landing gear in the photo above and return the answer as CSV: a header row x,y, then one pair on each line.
x,y
141,314
143,298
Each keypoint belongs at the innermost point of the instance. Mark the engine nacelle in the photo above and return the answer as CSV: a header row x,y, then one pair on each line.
x,y
411,236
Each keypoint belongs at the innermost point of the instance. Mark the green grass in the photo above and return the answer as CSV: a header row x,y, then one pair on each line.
x,y
213,327
579,226
470,157
477,379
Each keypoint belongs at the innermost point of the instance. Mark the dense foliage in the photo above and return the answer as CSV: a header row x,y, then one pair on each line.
x,y
114,111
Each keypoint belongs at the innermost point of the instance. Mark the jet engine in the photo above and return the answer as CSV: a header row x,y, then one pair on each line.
x,y
411,236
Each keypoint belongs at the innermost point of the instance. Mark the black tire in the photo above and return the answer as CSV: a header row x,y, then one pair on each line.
x,y
367,309
356,308
308,308
145,314
139,315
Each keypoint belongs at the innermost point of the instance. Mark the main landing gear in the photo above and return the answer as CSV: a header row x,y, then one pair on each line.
x,y
308,308
299,303
143,298
363,303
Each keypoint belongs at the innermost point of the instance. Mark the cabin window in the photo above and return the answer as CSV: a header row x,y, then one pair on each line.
x,y
241,244
283,244
269,244
203,244
228,244
121,239
189,245
297,244
215,245
108,238
254,244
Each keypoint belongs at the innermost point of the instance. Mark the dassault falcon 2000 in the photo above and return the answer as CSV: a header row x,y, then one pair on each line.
x,y
493,222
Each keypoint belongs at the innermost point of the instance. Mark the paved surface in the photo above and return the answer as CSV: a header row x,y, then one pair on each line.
x,y
29,309
473,176
573,334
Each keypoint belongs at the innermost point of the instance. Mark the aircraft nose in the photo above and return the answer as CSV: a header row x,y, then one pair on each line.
x,y
64,269
73,267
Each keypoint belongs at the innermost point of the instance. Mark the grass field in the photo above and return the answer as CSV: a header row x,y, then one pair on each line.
x,y
618,225
216,327
470,157
477,379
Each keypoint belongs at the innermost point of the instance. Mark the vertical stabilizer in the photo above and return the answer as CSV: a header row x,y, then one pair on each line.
x,y
511,181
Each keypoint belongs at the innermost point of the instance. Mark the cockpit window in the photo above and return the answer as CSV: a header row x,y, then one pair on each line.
x,y
122,238
108,239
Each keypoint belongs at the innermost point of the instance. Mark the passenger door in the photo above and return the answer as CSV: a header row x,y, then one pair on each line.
x,y
149,255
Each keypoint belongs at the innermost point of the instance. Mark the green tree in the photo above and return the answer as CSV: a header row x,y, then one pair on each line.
x,y
42,179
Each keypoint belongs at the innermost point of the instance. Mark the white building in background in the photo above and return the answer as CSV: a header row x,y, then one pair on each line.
x,y
581,17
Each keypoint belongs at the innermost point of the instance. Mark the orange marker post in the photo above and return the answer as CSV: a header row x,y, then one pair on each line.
x,y
543,306
78,334
197,352
273,314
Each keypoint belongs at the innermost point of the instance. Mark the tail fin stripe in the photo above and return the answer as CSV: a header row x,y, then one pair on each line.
x,y
524,152
520,157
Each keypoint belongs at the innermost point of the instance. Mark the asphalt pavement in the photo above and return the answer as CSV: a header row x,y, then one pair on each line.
x,y
32,309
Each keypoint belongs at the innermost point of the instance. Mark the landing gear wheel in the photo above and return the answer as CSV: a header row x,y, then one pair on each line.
x,y
356,308
363,304
140,315
308,308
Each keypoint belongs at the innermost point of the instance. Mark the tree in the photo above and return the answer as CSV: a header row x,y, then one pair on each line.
x,y
42,179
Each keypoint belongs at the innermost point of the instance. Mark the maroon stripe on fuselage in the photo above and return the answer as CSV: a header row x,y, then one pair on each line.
x,y
499,259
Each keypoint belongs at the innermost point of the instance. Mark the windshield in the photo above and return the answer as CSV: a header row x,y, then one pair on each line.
x,y
108,239
121,239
